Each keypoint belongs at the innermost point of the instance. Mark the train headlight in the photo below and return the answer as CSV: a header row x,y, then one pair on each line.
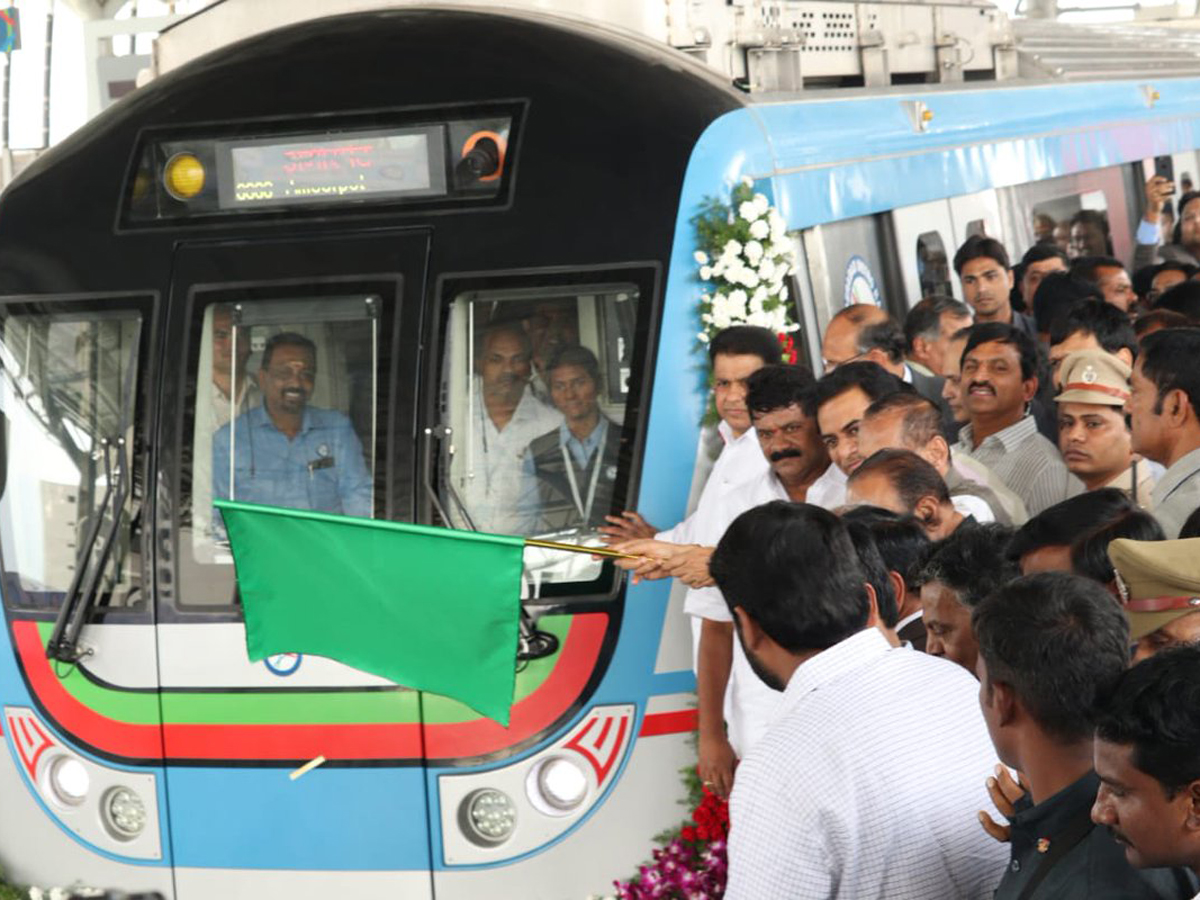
x,y
68,780
183,176
556,786
124,813
488,817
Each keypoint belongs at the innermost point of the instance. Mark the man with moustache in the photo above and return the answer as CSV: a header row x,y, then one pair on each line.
x,y
817,810
504,417
1000,379
1165,419
800,471
287,453
1093,432
839,402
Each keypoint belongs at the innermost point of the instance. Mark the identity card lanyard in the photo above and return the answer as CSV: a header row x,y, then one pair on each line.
x,y
586,512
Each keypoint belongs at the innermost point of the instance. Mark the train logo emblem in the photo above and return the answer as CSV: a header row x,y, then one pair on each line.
x,y
283,664
859,283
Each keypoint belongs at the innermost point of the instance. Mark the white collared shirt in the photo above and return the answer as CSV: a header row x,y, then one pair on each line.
x,y
867,785
486,470
749,704
740,459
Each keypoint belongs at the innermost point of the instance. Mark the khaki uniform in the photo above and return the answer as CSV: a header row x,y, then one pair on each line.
x,y
1159,581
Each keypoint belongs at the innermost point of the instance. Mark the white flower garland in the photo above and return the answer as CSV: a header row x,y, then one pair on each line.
x,y
745,261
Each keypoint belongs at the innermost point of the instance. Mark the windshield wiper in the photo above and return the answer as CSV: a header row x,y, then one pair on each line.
x,y
91,564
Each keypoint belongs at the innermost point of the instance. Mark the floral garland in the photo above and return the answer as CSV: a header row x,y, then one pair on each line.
x,y
745,261
691,862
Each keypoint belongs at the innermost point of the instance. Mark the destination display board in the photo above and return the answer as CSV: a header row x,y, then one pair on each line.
x,y
334,168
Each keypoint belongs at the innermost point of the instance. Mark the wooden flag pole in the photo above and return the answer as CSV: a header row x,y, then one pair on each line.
x,y
579,548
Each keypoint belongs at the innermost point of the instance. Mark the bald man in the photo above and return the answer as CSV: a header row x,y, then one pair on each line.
x,y
866,332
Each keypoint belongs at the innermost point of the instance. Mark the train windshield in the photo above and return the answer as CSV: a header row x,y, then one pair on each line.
x,y
67,389
536,391
287,413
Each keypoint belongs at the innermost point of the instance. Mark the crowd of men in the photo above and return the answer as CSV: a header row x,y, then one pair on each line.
x,y
946,596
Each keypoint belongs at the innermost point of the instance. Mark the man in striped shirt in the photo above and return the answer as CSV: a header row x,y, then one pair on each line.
x,y
999,379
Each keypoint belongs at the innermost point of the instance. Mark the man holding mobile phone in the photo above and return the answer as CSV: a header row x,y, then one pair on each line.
x,y
1185,247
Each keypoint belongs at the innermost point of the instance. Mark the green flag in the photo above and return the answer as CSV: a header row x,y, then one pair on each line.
x,y
430,608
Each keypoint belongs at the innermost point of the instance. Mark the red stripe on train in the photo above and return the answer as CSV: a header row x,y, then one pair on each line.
x,y
669,723
364,741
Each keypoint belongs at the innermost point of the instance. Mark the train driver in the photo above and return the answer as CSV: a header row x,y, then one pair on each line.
x,y
287,453
568,473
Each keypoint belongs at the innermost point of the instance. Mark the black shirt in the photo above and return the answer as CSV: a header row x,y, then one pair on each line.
x,y
1093,869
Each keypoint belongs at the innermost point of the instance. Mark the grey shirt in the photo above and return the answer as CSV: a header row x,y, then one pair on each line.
x,y
1029,464
1177,494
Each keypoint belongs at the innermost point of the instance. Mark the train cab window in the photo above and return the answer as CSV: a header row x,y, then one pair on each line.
x,y
539,394
70,480
975,228
933,266
285,415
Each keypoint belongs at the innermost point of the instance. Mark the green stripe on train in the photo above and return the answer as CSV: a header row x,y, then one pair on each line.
x,y
290,707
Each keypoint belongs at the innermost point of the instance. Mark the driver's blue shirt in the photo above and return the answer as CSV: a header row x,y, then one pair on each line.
x,y
321,468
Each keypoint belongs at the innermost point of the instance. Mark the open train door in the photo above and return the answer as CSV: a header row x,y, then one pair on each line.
x,y
233,731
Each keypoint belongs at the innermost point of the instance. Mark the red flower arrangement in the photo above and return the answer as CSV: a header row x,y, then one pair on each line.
x,y
788,345
693,865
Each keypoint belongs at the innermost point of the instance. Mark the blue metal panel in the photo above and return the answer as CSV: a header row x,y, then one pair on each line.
x,y
837,159
332,818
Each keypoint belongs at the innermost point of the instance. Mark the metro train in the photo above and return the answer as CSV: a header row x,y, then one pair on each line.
x,y
387,184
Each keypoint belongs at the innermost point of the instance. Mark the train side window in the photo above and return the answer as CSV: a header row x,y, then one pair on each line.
x,y
933,266
285,415
539,392
70,480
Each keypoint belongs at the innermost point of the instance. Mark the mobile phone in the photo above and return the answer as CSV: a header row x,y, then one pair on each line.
x,y
1164,167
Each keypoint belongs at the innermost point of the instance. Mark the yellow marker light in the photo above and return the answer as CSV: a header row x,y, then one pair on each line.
x,y
183,176
927,115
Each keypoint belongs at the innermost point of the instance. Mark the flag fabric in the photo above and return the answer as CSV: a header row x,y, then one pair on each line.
x,y
433,609
10,30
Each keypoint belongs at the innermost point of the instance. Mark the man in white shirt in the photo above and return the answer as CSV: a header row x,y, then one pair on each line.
x,y
866,785
734,354
800,471
504,416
